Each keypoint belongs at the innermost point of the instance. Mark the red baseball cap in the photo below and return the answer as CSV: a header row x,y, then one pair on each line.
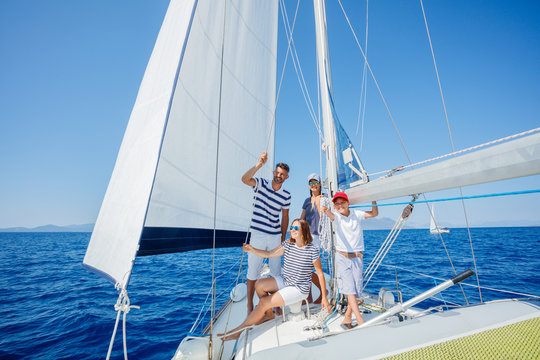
x,y
340,195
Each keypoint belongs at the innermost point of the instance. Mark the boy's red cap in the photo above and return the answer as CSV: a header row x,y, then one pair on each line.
x,y
340,195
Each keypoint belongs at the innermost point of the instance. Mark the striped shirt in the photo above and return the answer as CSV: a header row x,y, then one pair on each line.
x,y
268,205
298,265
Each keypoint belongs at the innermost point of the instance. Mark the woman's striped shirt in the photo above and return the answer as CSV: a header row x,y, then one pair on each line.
x,y
298,265
268,205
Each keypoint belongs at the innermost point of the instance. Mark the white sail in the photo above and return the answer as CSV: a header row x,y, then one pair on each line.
x,y
165,174
432,226
516,158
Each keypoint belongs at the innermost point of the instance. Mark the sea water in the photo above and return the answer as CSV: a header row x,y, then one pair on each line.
x,y
51,308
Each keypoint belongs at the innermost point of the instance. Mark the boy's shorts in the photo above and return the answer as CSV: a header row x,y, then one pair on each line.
x,y
349,275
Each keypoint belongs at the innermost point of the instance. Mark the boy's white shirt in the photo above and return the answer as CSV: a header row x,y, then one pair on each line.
x,y
350,235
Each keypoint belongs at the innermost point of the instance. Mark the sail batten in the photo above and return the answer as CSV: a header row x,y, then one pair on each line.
x,y
516,158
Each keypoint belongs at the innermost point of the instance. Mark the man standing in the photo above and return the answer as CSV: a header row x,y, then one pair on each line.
x,y
267,232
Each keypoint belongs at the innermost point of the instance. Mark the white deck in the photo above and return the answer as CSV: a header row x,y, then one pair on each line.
x,y
387,339
276,339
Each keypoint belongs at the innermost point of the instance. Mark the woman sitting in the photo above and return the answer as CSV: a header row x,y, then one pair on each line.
x,y
300,258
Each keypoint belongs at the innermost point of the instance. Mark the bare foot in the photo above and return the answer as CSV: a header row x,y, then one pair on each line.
x,y
265,318
360,301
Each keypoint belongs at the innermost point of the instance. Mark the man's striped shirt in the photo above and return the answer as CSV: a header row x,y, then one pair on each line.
x,y
298,265
268,205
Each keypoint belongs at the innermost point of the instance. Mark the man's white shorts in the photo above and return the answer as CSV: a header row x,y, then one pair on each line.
x,y
263,241
290,294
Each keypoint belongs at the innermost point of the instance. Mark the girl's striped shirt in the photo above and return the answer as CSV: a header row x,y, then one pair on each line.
x,y
298,265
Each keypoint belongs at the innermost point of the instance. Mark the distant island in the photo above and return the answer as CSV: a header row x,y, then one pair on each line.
x,y
52,228
382,223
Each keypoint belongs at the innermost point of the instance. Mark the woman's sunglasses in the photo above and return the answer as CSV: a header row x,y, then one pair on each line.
x,y
314,183
294,228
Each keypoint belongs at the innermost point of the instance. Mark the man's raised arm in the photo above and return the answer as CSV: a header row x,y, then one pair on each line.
x,y
247,178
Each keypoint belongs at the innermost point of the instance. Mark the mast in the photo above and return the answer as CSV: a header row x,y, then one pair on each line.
x,y
329,145
325,84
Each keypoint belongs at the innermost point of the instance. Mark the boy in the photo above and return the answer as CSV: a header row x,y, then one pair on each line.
x,y
349,248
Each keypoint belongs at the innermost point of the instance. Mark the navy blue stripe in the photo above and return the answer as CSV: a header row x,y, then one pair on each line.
x,y
265,223
268,213
272,191
265,220
276,193
265,231
275,216
165,240
271,198
265,203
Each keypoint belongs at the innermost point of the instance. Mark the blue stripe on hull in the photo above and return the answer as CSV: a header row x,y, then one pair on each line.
x,y
165,240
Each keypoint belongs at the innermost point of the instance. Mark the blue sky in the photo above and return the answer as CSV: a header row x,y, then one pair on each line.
x,y
71,70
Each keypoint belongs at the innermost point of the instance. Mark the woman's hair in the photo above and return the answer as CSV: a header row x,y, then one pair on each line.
x,y
311,194
304,228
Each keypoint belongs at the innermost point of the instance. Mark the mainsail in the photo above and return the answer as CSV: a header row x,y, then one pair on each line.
x,y
203,115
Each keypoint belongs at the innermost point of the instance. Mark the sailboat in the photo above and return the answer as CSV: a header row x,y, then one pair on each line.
x,y
433,228
204,112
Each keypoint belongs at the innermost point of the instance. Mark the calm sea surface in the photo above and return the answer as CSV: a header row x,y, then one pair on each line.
x,y
51,308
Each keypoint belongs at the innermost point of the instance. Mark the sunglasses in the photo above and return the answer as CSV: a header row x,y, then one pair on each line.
x,y
314,183
294,228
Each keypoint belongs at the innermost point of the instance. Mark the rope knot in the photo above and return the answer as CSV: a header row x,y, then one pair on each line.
x,y
123,303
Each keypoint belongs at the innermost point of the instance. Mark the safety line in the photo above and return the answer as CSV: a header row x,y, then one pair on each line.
x,y
455,198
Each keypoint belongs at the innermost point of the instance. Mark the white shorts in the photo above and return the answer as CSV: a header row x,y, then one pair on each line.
x,y
262,241
349,274
290,294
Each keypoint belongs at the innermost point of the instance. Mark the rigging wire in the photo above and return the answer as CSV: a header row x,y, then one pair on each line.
x,y
376,84
363,89
388,242
471,285
452,144
299,73
393,122
213,306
